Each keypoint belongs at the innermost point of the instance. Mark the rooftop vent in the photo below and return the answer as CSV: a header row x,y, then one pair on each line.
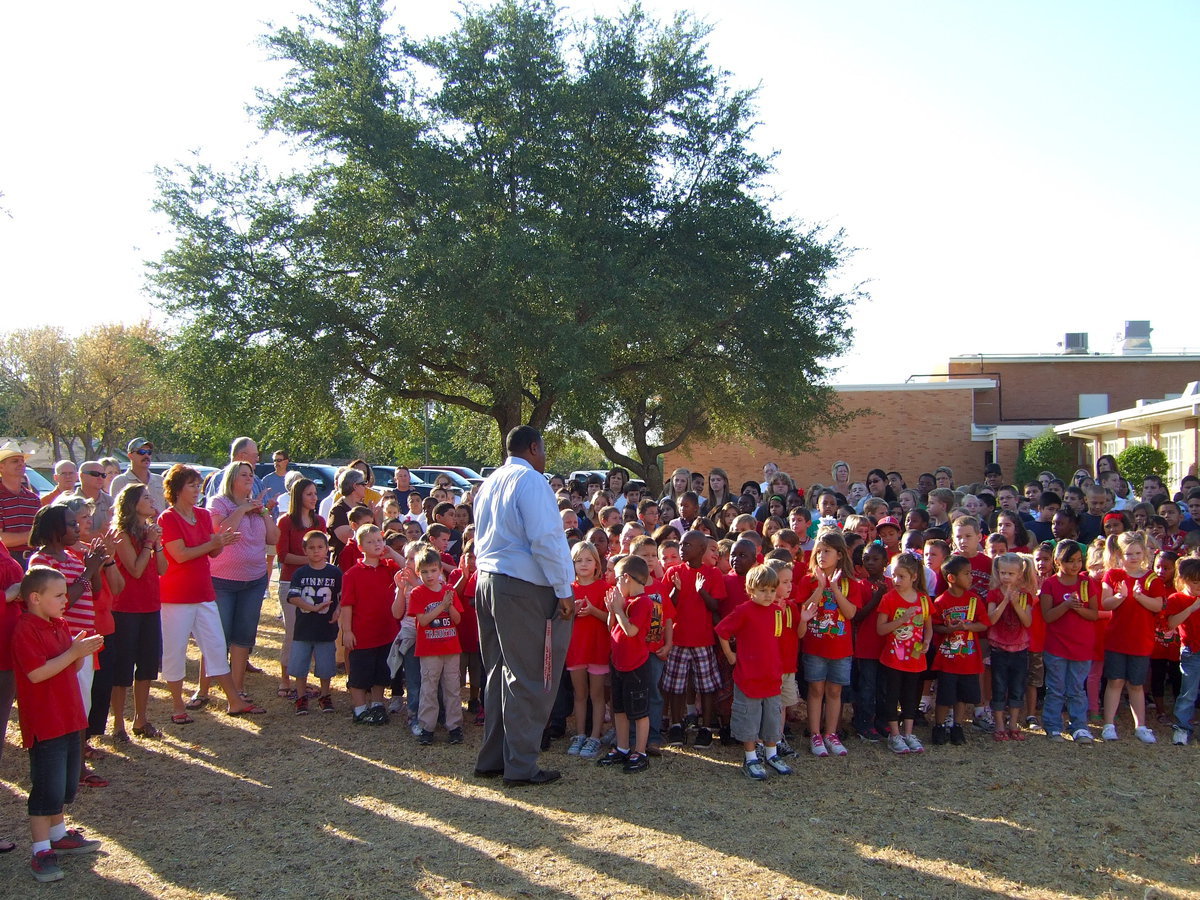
x,y
1075,342
1137,338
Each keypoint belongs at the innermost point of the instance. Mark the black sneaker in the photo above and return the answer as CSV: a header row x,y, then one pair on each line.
x,y
703,737
958,737
613,757
302,706
377,715
636,762
941,735
425,738
675,735
363,718
455,736
691,720
727,738
783,748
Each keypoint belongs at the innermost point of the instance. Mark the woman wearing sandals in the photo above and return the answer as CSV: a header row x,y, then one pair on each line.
x,y
137,641
240,574
189,602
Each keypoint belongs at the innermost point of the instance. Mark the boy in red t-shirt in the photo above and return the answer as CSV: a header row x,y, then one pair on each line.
x,y
629,616
463,580
696,590
438,611
50,708
756,626
369,625
967,540
351,554
659,638
1183,612
960,618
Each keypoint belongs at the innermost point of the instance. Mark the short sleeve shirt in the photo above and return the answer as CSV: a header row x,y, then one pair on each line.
x,y
50,708
904,648
315,586
959,652
1131,628
186,582
758,672
693,620
440,636
369,591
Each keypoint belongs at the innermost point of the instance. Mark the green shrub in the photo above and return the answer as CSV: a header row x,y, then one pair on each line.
x,y
1045,453
1140,460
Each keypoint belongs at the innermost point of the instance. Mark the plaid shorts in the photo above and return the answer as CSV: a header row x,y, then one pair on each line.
x,y
699,662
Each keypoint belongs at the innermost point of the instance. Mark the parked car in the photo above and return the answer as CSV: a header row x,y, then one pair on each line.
x,y
582,475
162,467
487,471
38,481
470,474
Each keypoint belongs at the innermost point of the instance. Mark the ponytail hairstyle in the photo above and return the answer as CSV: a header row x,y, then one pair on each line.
x,y
1066,550
1117,544
1027,579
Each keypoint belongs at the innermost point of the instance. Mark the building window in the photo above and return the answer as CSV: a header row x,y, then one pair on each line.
x,y
1092,405
1172,445
1110,448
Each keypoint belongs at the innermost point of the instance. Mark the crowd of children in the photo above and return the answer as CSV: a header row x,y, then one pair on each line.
x,y
909,604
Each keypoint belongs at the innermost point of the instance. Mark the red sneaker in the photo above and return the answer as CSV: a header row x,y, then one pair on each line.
x,y
74,842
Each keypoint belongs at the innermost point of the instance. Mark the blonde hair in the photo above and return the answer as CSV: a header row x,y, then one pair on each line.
x,y
365,531
1116,545
589,548
913,567
762,576
1027,577
835,541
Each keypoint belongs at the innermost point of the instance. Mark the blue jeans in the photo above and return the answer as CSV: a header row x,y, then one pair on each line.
x,y
868,695
1066,679
1185,703
656,699
239,603
412,682
53,774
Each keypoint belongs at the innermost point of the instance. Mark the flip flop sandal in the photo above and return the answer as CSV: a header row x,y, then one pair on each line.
x,y
251,710
7,846
148,731
196,703
93,753
93,780
182,719
285,693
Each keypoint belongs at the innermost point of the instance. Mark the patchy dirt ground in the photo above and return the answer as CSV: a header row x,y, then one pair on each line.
x,y
316,807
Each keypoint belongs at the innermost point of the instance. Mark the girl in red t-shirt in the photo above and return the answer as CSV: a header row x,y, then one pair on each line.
x,y
1069,602
588,652
1135,595
1164,659
905,623
1011,603
829,637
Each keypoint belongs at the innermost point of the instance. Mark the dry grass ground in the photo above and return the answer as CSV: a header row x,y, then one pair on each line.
x,y
316,807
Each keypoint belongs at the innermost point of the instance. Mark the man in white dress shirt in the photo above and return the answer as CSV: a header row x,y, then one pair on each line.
x,y
525,605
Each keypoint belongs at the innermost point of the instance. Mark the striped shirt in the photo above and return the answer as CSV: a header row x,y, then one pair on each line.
x,y
82,615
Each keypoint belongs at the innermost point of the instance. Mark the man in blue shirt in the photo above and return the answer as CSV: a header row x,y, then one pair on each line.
x,y
525,605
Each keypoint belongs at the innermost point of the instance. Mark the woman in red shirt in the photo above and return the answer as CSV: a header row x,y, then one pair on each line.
x,y
300,519
137,638
189,606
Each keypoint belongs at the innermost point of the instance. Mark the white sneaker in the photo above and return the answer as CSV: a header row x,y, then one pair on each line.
x,y
591,748
1145,735
914,745
818,746
416,728
395,706
576,744
834,745
1179,737
1109,733
897,744
1082,736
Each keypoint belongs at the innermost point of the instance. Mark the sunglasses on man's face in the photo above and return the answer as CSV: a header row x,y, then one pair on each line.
x,y
143,452
93,474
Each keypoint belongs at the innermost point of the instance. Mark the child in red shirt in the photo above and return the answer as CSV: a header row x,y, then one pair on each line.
x,y
629,616
905,623
789,640
659,638
1135,595
960,617
463,580
437,609
1164,659
588,652
836,597
351,554
369,625
967,538
1070,607
1183,613
868,676
1011,604
757,672
50,708
696,591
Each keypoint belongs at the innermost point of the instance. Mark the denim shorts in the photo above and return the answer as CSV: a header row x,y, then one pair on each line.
x,y
1124,667
239,603
818,668
53,774
321,654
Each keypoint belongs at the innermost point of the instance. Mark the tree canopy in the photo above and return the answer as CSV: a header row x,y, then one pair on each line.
x,y
531,219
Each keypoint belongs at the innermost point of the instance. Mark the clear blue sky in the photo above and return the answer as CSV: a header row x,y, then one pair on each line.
x,y
1010,171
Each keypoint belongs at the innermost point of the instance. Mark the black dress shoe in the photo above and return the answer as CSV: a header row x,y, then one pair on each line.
x,y
488,773
541,776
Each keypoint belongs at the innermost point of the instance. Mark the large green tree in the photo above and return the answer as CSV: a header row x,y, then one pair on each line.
x,y
531,219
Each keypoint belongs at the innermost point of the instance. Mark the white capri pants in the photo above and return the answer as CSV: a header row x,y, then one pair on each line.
x,y
86,675
201,621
